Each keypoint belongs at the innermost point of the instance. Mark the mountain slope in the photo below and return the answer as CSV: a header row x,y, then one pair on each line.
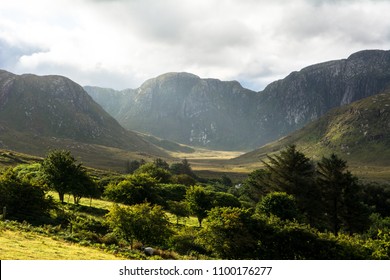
x,y
184,108
359,132
50,107
303,96
223,115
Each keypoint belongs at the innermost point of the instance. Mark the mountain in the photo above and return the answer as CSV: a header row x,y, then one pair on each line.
x,y
358,132
304,96
38,111
184,108
211,113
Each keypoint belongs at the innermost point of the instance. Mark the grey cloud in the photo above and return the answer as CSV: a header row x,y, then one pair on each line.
x,y
11,53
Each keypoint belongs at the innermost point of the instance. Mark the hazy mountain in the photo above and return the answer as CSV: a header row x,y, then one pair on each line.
x,y
185,108
223,115
33,108
359,132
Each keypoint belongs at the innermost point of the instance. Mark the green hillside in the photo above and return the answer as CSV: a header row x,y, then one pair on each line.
x,y
359,132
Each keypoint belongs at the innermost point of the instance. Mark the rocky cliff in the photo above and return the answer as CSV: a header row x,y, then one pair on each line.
x,y
186,109
223,115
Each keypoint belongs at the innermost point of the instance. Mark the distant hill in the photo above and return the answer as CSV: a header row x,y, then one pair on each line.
x,y
210,113
38,113
358,132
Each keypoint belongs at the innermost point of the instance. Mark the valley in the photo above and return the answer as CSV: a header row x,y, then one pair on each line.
x,y
256,167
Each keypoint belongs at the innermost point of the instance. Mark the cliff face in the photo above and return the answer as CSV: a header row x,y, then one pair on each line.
x,y
308,94
184,108
223,115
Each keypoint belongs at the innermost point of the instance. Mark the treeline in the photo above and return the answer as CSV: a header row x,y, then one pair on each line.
x,y
293,208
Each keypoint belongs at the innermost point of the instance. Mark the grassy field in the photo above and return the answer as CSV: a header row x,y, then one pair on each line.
x,y
18,245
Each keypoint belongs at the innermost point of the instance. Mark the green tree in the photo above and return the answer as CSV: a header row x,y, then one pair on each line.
x,y
160,163
182,167
279,204
179,209
132,166
341,195
84,186
23,200
292,172
199,202
228,233
135,189
63,174
222,199
160,174
143,222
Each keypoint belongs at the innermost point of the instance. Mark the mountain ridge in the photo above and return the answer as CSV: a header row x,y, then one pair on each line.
x,y
50,109
224,115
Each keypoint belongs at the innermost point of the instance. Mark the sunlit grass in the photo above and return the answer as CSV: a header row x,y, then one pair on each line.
x,y
19,245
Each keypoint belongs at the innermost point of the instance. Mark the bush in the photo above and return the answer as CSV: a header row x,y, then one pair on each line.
x,y
279,204
23,201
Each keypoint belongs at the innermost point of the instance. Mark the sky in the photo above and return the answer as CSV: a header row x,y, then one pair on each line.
x,y
121,43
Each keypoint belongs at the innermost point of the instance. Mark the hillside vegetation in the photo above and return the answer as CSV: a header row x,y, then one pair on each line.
x,y
270,215
359,132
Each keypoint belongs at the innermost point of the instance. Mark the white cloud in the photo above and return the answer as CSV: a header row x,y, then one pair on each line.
x,y
121,43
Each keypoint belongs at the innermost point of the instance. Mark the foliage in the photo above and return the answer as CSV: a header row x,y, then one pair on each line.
x,y
160,174
132,166
167,192
228,233
255,186
143,222
279,204
341,195
292,172
183,179
199,202
223,199
179,209
64,175
377,197
23,200
185,242
160,163
182,167
135,189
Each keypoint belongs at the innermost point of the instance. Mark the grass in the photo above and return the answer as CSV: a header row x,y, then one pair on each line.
x,y
19,245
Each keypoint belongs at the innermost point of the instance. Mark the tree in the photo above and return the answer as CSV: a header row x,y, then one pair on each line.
x,y
84,186
23,200
59,168
179,209
160,174
255,186
143,222
132,166
199,202
279,204
160,163
228,233
64,175
222,199
293,173
135,189
183,167
341,195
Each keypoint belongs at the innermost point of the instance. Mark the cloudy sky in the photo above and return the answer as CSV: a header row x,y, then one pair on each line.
x,y
121,43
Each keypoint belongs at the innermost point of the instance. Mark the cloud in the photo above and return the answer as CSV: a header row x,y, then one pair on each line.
x,y
122,43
